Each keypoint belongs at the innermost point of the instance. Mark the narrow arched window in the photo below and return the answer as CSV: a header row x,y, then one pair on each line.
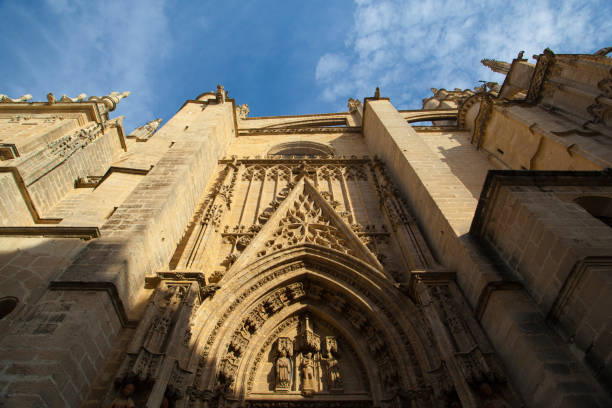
x,y
7,305
599,207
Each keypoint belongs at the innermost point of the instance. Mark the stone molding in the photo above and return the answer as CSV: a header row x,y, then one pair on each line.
x,y
107,287
436,128
498,178
573,280
292,131
85,233
487,291
25,194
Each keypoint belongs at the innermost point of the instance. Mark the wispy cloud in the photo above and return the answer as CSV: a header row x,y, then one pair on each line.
x,y
406,46
93,47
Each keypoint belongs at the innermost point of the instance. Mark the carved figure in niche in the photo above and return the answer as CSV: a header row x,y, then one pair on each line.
x,y
283,372
334,379
307,369
333,373
125,401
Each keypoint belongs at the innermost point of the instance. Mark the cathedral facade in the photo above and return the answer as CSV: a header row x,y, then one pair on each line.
x,y
458,255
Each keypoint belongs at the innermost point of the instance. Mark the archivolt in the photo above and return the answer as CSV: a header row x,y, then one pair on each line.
x,y
253,301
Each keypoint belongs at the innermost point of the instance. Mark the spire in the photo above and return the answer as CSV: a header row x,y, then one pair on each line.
x,y
501,67
144,132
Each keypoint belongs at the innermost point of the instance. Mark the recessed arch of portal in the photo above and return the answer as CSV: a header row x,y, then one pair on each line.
x,y
383,344
245,295
358,364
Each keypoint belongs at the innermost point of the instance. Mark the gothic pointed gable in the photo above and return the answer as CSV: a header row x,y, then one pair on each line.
x,y
305,217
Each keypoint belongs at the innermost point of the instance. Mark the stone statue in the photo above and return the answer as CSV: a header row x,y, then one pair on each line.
x,y
243,111
333,373
334,379
125,401
283,371
307,369
354,105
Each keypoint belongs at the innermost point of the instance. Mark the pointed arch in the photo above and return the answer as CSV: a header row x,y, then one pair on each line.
x,y
380,323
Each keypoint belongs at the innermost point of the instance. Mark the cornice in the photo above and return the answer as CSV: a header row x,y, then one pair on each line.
x,y
296,160
107,287
497,179
436,128
89,108
85,233
293,130
433,114
25,194
342,114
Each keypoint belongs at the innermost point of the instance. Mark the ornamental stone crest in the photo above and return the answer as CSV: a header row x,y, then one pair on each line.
x,y
305,217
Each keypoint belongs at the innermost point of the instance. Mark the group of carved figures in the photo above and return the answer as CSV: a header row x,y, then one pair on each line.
x,y
313,370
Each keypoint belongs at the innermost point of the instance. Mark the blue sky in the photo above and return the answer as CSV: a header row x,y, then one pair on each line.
x,y
280,57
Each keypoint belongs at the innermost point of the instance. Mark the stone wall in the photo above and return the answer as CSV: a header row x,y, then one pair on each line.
x,y
444,208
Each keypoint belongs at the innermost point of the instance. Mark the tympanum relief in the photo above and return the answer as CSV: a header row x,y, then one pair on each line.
x,y
308,358
307,363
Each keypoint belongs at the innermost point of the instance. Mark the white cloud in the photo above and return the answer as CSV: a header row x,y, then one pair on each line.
x,y
97,47
408,46
330,65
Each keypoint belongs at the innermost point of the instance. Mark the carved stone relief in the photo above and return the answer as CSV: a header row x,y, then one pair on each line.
x,y
147,369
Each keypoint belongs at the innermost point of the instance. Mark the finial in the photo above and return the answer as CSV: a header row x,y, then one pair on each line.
x,y
144,132
501,67
109,102
520,55
221,94
6,99
377,93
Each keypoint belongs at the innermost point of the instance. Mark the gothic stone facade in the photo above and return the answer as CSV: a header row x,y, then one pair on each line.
x,y
345,259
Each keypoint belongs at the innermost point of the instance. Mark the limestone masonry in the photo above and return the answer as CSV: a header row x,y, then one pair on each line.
x,y
458,255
